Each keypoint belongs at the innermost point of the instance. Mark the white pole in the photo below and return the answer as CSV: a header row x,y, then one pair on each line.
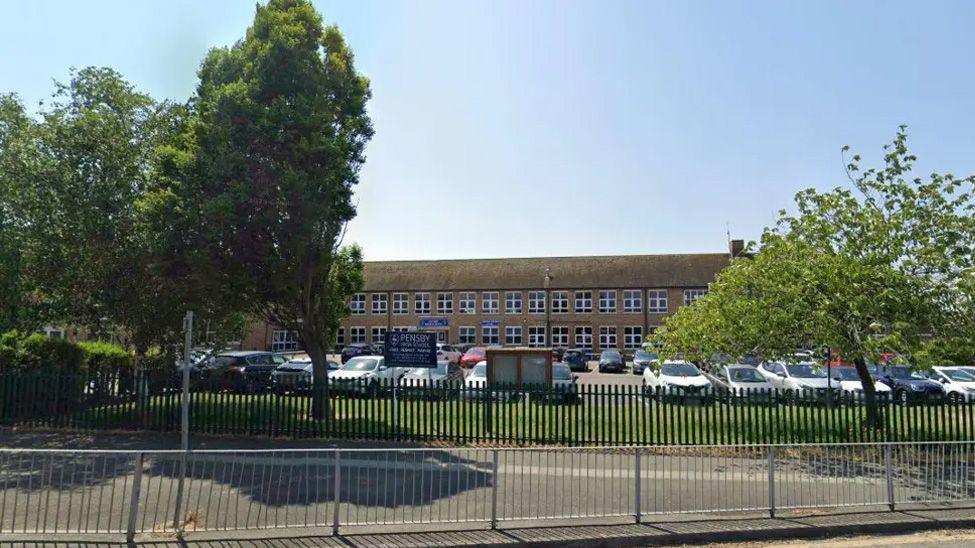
x,y
187,363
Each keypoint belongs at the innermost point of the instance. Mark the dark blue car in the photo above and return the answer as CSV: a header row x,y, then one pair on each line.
x,y
575,358
909,386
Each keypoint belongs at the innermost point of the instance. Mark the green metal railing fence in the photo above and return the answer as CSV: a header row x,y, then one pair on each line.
x,y
458,414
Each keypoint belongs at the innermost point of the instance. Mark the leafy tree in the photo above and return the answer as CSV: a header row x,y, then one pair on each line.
x,y
882,267
14,124
278,138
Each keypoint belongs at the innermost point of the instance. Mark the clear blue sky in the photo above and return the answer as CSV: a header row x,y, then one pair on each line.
x,y
567,127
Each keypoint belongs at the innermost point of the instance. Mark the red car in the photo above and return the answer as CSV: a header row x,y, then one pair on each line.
x,y
472,356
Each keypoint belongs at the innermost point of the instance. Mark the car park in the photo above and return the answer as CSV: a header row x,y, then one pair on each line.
x,y
359,349
643,359
473,356
247,371
446,352
958,384
611,360
677,378
296,374
576,359
909,386
365,375
741,380
805,376
848,381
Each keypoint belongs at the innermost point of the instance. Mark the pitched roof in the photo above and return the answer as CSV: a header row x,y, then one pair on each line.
x,y
697,270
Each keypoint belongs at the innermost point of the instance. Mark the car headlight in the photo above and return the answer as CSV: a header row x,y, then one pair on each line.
x,y
970,389
917,387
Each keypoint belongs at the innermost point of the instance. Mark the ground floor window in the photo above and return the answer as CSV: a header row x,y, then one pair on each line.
x,y
357,334
536,336
633,336
583,336
400,329
512,334
467,334
340,337
560,336
378,335
442,337
489,334
283,340
607,337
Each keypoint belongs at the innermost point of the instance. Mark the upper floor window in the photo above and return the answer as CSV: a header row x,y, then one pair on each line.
x,y
445,303
560,302
536,302
489,302
467,303
691,295
657,301
632,300
379,303
357,304
512,302
583,301
421,303
607,301
401,303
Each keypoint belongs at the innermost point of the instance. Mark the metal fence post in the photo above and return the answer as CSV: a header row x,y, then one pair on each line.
x,y
890,476
337,497
637,497
494,489
771,481
134,499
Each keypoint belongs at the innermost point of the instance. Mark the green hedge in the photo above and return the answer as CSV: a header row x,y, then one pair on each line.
x,y
103,357
37,352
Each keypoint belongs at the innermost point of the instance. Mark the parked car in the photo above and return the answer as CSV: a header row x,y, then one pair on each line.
x,y
958,384
359,349
743,380
563,384
364,375
476,380
473,356
448,353
247,371
849,382
576,359
557,354
611,360
677,378
909,386
643,359
296,375
424,381
803,376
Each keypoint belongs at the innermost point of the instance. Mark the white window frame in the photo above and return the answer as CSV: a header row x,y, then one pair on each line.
x,y
379,303
560,302
608,337
467,302
401,329
583,332
445,303
512,302
490,334
632,336
536,302
284,340
583,302
424,300
357,334
401,304
381,331
657,301
691,295
513,335
357,304
536,336
560,336
632,301
490,298
607,301
467,334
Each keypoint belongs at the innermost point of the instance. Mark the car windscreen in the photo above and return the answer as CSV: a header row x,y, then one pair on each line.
x,y
571,354
475,352
805,371
903,373
561,374
679,370
480,371
958,375
611,355
644,355
223,361
845,374
745,374
360,364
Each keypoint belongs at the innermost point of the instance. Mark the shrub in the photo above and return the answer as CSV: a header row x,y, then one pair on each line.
x,y
103,357
40,352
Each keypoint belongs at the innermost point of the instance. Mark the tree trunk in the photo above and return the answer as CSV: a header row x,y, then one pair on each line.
x,y
312,340
874,418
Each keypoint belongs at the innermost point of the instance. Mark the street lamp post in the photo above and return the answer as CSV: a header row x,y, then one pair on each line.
x,y
548,308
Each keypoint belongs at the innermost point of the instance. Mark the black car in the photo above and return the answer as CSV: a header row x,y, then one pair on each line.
x,y
643,359
243,371
359,349
909,386
611,360
575,358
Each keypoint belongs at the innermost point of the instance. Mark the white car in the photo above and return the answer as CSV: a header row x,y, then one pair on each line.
x,y
959,384
475,382
445,372
677,377
448,353
743,380
802,376
365,374
296,375
848,380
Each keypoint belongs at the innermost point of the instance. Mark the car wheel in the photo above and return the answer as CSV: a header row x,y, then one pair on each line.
x,y
903,398
954,398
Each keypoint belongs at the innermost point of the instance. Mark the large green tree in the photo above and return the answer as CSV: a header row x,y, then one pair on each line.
x,y
278,138
882,265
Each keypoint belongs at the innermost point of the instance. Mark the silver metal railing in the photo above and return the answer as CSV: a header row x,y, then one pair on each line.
x,y
58,491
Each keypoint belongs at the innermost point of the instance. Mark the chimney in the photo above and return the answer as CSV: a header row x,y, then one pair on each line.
x,y
736,247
